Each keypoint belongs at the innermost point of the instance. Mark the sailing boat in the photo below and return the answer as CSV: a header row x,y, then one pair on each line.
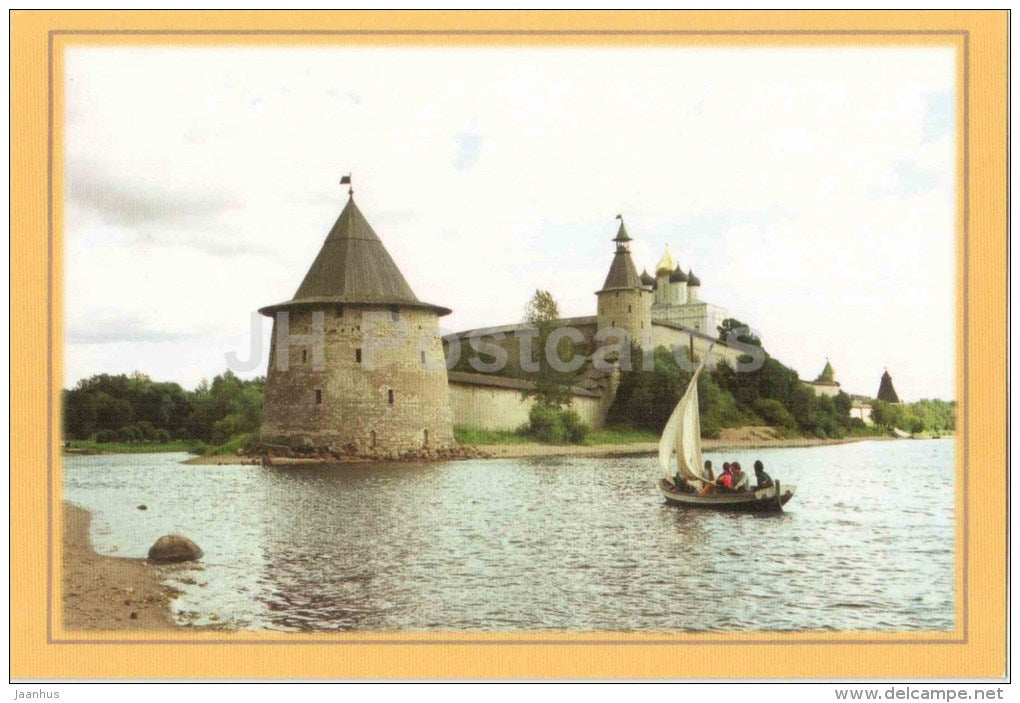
x,y
682,434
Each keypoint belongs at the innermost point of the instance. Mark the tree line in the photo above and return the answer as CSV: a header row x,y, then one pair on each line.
x,y
771,395
134,408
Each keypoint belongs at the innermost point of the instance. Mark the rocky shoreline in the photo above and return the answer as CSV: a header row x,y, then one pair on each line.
x,y
286,457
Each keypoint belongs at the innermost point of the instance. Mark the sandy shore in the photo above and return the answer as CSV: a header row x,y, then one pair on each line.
x,y
109,593
650,448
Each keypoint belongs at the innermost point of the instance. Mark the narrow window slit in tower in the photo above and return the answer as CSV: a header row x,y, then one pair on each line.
x,y
372,439
304,356
357,355
389,396
423,357
426,438
318,396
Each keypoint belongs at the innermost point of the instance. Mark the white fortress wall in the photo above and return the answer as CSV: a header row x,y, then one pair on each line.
x,y
503,407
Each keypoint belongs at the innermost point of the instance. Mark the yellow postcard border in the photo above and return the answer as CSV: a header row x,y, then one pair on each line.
x,y
976,646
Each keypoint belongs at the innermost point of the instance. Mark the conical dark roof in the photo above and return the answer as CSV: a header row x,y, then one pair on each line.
x,y
622,273
621,234
647,279
678,276
828,375
692,280
353,266
886,391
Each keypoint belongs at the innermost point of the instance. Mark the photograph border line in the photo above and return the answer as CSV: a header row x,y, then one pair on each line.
x,y
455,641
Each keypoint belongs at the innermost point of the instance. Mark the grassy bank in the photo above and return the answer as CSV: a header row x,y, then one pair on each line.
x,y
620,435
474,435
236,444
85,446
608,435
244,443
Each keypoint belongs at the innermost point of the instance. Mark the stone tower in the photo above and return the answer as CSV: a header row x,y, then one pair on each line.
x,y
828,374
624,302
356,361
886,391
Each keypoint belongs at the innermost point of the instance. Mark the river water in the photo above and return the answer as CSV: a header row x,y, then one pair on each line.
x,y
579,544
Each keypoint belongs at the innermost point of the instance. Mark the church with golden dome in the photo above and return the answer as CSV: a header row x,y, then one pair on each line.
x,y
661,311
677,297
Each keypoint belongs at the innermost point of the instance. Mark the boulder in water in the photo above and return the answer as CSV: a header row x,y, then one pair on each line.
x,y
174,548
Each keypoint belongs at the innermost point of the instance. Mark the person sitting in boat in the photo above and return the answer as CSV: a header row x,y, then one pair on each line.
x,y
708,474
740,479
764,480
680,483
725,479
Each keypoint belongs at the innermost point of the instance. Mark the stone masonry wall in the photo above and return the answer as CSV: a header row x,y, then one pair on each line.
x,y
627,310
490,408
346,405
670,337
828,389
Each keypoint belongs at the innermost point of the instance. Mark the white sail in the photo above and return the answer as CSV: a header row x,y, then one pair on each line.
x,y
682,434
666,442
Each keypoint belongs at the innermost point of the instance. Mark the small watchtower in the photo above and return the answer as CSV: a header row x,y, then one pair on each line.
x,y
886,391
625,302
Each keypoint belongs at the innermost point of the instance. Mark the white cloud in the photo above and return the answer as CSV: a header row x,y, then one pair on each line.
x,y
812,190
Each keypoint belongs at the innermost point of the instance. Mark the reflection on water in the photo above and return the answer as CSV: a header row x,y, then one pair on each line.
x,y
542,544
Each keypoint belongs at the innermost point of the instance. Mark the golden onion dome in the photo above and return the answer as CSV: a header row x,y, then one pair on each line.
x,y
666,264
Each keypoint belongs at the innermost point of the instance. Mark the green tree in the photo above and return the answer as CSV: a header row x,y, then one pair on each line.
x,y
730,325
137,407
551,385
541,309
113,413
81,412
645,399
887,414
147,430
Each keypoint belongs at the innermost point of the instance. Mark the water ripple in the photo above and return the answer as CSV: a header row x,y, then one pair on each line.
x,y
550,544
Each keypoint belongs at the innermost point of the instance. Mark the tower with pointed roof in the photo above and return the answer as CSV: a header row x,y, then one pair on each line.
x,y
828,375
356,362
624,302
825,383
886,391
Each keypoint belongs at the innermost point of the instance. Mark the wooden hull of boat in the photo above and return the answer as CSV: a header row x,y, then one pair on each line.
x,y
766,500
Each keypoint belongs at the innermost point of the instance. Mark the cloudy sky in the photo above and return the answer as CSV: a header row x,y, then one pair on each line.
x,y
811,190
